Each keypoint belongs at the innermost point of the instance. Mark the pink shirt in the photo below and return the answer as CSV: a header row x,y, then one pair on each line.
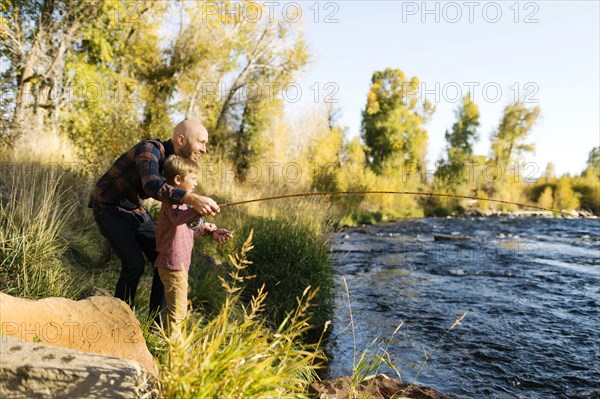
x,y
174,240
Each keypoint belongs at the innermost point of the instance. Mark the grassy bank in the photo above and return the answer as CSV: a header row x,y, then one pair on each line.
x,y
241,343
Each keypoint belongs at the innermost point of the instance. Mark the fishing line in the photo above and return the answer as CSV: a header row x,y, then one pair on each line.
x,y
419,193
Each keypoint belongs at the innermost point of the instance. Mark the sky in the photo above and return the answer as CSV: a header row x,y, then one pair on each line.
x,y
545,53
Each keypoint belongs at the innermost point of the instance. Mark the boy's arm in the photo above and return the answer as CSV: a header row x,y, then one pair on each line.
x,y
205,229
181,216
221,235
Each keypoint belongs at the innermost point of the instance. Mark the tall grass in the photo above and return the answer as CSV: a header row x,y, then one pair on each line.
x,y
239,357
32,220
292,252
238,342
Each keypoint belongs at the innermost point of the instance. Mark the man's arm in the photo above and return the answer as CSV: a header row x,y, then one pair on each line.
x,y
203,205
147,156
155,186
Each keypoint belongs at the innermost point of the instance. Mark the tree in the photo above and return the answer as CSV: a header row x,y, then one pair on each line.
x,y
546,199
550,172
593,162
325,151
249,142
459,147
37,36
111,69
243,65
393,119
587,185
508,142
564,196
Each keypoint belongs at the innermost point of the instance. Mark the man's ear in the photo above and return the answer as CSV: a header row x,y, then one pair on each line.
x,y
181,139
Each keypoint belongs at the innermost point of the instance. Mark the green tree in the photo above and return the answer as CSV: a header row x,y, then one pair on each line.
x,y
36,39
111,72
249,141
588,184
593,162
508,142
393,120
232,73
454,171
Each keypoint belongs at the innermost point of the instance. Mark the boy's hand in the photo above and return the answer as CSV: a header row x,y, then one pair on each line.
x,y
221,235
209,227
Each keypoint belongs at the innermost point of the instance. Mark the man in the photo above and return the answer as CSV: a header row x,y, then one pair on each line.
x,y
117,204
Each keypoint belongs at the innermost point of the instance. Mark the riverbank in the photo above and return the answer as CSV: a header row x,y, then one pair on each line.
x,y
255,338
50,246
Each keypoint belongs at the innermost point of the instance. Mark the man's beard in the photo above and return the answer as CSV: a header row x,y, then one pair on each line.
x,y
186,151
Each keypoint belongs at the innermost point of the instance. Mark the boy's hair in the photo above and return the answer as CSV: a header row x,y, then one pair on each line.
x,y
176,165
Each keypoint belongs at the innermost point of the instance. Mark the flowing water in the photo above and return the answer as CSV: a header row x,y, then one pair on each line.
x,y
530,287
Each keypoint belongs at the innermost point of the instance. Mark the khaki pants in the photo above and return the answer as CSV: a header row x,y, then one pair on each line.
x,y
176,290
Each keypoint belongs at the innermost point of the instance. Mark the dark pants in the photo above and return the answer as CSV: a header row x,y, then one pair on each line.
x,y
131,238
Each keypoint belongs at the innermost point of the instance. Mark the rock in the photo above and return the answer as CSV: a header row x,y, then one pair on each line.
x,y
380,387
99,324
444,237
29,370
586,213
93,291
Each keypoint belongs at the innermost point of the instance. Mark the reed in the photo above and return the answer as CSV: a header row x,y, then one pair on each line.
x,y
32,222
233,357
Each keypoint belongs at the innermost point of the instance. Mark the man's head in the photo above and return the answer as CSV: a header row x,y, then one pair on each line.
x,y
189,139
181,172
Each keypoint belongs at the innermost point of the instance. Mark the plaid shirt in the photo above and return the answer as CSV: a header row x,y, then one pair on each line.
x,y
135,176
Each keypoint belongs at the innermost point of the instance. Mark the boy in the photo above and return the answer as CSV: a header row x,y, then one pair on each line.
x,y
177,226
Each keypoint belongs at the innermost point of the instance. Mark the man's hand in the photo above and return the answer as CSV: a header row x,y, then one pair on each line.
x,y
221,235
203,205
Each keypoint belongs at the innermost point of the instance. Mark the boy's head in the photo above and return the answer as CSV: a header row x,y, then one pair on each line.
x,y
180,172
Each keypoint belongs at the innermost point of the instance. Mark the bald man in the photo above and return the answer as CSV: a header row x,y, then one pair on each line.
x,y
117,204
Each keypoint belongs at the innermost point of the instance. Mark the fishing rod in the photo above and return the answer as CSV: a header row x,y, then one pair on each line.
x,y
419,193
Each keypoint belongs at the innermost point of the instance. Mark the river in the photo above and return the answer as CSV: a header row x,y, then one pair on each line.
x,y
530,287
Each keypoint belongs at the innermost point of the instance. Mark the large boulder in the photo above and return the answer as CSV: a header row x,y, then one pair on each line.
x,y
30,370
380,387
99,324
